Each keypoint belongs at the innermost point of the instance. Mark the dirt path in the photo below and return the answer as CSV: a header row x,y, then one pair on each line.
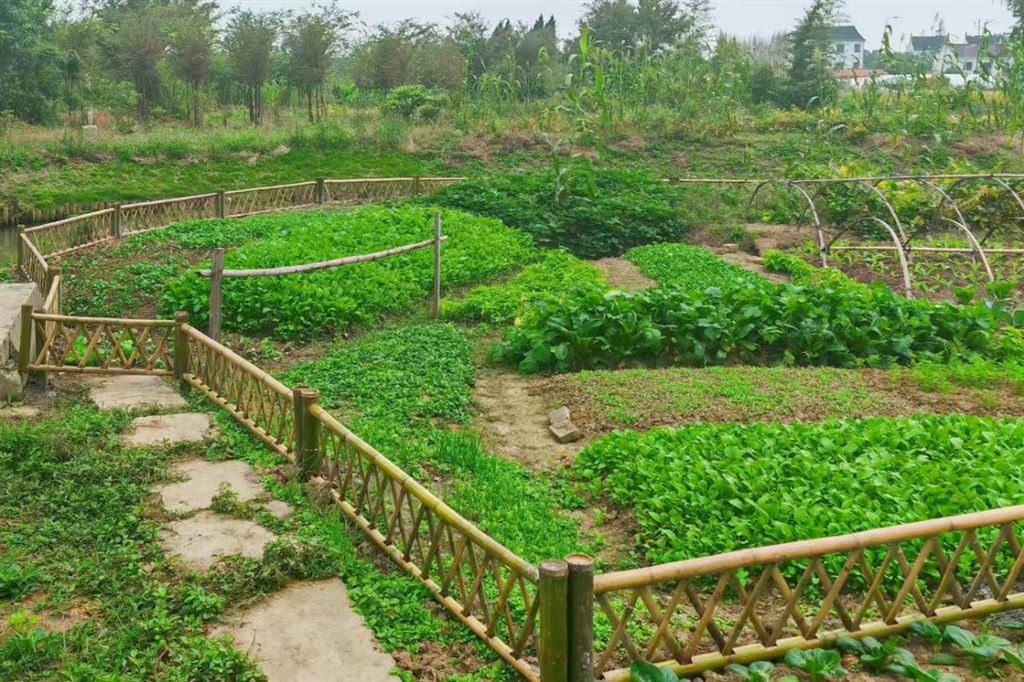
x,y
513,417
622,274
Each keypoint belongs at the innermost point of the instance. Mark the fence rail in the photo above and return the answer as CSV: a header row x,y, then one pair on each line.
x,y
65,236
486,586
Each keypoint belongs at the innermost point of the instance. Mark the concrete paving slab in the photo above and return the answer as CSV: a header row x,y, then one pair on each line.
x,y
203,481
201,540
279,509
168,429
12,297
308,632
131,392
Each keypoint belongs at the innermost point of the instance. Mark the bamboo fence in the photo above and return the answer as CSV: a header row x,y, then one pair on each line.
x,y
690,616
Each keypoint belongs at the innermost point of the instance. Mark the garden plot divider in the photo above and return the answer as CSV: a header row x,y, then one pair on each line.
x,y
556,622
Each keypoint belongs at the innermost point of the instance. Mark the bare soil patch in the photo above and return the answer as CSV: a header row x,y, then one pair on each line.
x,y
512,415
622,274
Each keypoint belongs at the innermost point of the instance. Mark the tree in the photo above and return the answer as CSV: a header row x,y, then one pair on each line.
x,y
410,53
29,73
78,46
249,41
138,45
311,41
191,48
810,78
649,24
1016,8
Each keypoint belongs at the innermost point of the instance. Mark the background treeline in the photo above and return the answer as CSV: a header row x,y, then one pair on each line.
x,y
184,59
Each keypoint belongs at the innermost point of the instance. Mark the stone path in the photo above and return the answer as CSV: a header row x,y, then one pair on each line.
x,y
133,392
306,632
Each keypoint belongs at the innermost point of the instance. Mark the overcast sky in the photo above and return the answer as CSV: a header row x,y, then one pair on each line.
x,y
737,17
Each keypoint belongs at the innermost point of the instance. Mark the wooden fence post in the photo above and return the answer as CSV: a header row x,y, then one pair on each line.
x,y
307,431
554,622
21,249
581,617
221,211
416,185
25,349
118,227
180,347
216,293
52,272
321,190
437,266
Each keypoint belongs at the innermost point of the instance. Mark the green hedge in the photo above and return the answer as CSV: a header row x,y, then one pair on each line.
x,y
477,249
591,212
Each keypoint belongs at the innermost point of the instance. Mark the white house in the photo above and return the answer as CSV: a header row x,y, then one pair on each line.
x,y
968,57
937,48
847,46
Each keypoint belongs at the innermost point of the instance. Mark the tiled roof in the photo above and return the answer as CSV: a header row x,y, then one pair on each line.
x,y
846,34
928,43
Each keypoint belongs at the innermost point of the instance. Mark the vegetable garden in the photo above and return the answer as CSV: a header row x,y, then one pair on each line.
x,y
731,542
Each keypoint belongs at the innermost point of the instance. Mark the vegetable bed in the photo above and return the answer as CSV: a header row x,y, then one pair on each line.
x,y
708,312
304,304
711,488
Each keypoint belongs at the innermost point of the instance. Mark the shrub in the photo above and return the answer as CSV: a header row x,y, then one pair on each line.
x,y
306,303
408,100
591,212
712,488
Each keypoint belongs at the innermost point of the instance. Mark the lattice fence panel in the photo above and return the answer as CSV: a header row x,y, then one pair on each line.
x,y
67,235
485,585
249,393
90,344
150,215
706,620
361,191
428,185
264,199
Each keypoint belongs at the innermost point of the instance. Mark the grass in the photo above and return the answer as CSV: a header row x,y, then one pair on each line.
x,y
638,397
163,166
406,390
78,539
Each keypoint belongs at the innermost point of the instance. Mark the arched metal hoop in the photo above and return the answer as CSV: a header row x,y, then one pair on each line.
x,y
819,228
